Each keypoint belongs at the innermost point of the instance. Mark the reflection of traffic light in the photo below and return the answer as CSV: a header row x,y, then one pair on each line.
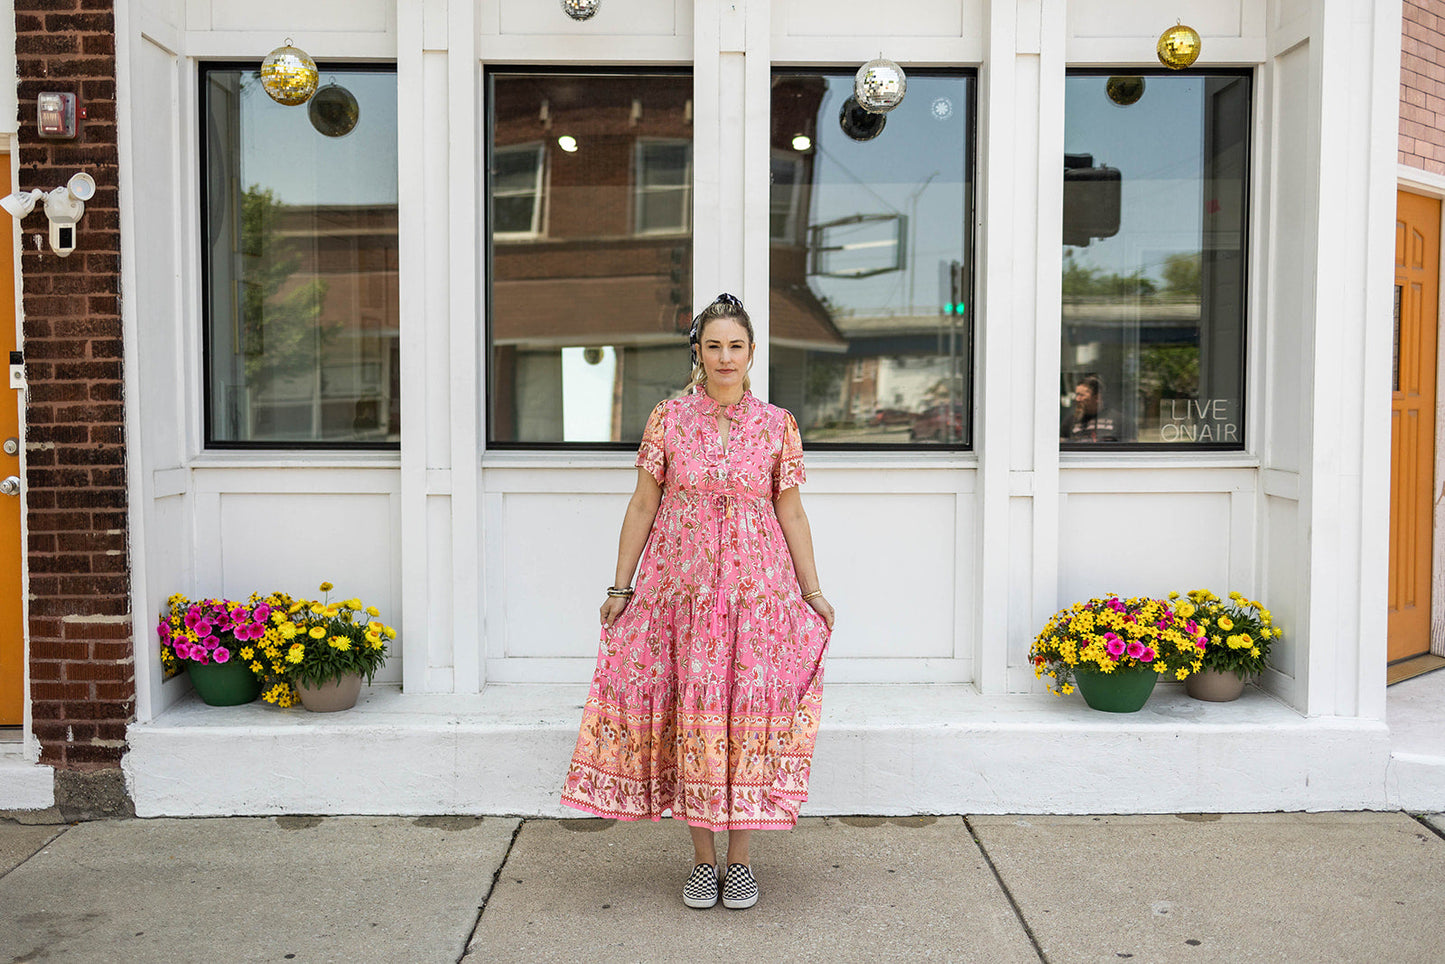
x,y
953,299
1091,200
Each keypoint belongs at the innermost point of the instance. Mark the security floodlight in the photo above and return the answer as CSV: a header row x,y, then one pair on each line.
x,y
21,203
64,207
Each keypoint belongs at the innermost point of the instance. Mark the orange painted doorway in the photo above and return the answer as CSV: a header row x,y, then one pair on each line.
x,y
1412,423
12,623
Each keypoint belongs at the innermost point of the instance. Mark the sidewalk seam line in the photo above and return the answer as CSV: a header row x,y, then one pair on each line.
x,y
481,908
1018,911
27,860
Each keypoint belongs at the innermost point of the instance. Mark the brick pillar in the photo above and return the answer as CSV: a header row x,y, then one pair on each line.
x,y
1422,86
82,658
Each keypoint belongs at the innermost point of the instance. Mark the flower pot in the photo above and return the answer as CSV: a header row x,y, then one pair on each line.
x,y
1125,690
1214,685
331,695
224,684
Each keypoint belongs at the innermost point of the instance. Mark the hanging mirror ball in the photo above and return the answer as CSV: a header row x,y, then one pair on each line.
x,y
880,85
580,9
289,75
1178,47
1125,90
334,111
860,124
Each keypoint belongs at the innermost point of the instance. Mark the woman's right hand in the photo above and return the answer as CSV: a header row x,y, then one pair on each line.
x,y
612,608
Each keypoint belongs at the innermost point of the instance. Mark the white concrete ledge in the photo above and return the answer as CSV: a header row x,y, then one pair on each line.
x,y
883,749
24,785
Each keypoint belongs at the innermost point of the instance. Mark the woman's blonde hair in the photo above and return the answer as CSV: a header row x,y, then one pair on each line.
x,y
723,306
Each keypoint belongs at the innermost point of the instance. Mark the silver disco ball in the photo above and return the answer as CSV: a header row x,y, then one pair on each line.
x,y
880,85
580,9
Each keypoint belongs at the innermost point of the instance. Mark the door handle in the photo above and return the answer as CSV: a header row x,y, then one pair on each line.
x,y
10,486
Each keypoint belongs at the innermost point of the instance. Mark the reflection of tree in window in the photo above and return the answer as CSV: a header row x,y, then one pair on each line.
x,y
280,320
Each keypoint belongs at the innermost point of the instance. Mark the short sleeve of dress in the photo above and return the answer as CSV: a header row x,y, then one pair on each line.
x,y
788,471
651,454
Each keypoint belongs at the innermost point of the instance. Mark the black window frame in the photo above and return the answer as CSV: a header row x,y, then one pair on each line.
x,y
969,264
1246,327
209,443
490,71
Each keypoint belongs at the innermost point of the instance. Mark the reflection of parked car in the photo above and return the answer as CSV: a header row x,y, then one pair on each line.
x,y
890,416
941,423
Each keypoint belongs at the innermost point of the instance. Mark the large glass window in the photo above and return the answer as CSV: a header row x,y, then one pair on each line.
x,y
871,255
301,333
1155,177
590,241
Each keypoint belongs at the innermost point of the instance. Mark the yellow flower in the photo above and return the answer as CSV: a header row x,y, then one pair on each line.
x,y
373,636
256,668
373,611
1254,652
295,607
353,603
316,632
317,608
247,652
330,611
326,587
295,653
339,642
288,630
375,626
1173,595
1236,595
1185,609
376,644
390,633
1225,623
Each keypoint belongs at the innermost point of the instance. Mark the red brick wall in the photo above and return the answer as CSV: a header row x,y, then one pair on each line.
x,y
82,664
1422,86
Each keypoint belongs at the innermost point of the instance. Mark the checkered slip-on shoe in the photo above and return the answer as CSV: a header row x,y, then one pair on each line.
x,y
700,891
739,890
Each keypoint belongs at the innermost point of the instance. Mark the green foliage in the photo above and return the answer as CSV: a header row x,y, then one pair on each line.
x,y
281,332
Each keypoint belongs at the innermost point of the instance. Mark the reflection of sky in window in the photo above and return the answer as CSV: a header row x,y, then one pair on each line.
x,y
887,175
1157,144
286,154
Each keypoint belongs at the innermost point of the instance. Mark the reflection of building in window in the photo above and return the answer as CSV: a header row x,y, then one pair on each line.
x,y
517,190
785,196
664,186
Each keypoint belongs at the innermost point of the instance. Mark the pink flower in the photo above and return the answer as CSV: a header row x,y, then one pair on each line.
x,y
193,616
203,627
164,629
1148,654
209,643
1136,649
239,613
262,613
183,650
1192,626
1199,643
221,654
1115,646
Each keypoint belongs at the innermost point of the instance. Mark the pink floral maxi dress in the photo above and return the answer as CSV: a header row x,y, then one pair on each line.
x,y
709,686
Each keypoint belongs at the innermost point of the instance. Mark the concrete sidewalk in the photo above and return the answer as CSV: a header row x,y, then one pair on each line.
x,y
1269,887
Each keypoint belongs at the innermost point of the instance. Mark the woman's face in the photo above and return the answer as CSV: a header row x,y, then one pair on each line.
x,y
725,353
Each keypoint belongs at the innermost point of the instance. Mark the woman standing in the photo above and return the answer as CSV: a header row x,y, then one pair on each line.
x,y
709,680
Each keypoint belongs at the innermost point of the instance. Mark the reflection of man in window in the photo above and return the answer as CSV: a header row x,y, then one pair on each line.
x,y
1089,420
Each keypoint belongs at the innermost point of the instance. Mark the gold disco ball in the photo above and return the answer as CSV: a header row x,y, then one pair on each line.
x,y
289,75
1125,91
1178,47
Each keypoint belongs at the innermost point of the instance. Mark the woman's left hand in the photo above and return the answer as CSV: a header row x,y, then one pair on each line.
x,y
823,608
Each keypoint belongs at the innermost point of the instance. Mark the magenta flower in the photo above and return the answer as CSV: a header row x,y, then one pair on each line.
x,y
1115,646
183,650
209,643
193,616
1192,626
1148,654
239,613
221,654
263,612
203,627
1199,643
164,629
1136,649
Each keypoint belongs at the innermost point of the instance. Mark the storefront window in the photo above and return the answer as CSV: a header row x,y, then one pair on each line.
x,y
301,302
590,247
870,309
1155,176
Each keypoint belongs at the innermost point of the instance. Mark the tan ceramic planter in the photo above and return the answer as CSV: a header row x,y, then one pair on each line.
x,y
1214,686
331,695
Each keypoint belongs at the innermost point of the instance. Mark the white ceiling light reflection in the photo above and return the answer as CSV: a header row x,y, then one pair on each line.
x,y
802,143
568,143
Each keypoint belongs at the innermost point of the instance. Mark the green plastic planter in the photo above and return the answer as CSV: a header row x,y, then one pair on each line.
x,y
224,684
1122,691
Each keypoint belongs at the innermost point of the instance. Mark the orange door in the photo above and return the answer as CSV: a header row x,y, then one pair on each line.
x,y
1412,423
12,626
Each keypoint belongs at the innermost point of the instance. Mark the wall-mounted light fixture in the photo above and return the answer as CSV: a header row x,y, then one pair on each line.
x,y
64,206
